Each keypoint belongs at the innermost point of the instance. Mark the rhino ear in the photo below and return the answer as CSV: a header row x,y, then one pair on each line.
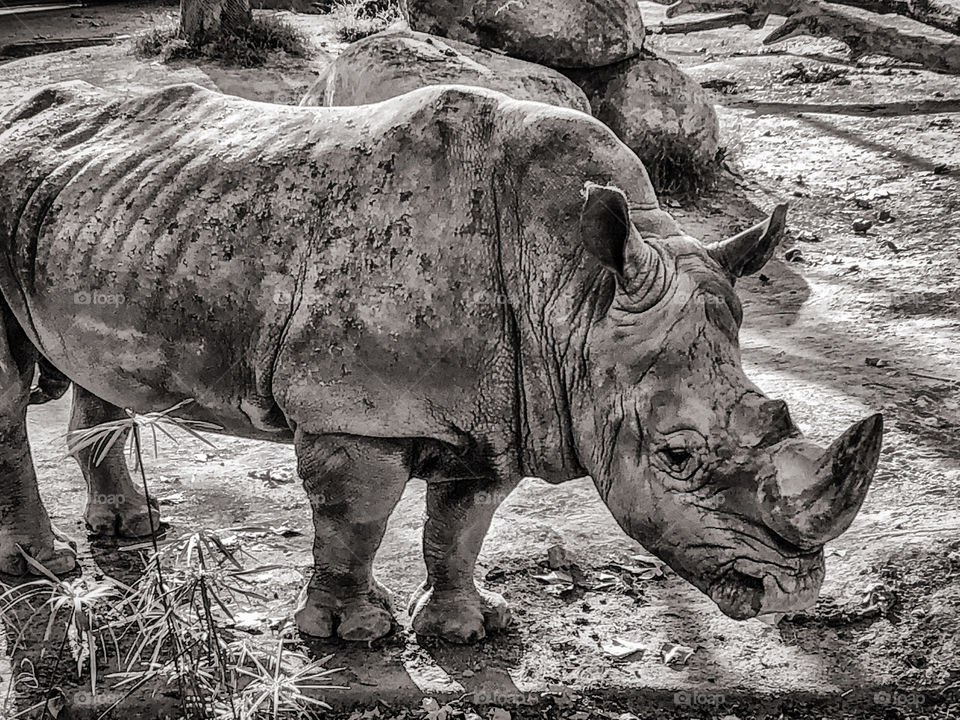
x,y
605,225
746,253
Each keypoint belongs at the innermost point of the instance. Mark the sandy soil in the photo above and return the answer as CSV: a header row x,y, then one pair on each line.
x,y
855,322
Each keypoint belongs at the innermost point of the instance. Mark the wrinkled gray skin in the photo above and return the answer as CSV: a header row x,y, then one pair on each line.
x,y
451,285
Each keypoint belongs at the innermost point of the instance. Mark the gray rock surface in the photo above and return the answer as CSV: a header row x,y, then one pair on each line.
x,y
557,33
398,60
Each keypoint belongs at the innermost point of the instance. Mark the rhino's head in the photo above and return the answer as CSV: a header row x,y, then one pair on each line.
x,y
692,459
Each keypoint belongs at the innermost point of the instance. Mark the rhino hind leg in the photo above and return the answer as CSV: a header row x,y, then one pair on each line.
x,y
353,484
459,511
115,506
24,522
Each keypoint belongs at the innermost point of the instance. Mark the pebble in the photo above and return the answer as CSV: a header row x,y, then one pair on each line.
x,y
862,225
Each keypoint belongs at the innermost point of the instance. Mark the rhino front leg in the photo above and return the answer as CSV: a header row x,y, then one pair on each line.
x,y
353,484
459,511
115,506
24,522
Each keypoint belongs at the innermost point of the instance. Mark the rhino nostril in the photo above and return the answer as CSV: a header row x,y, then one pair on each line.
x,y
748,581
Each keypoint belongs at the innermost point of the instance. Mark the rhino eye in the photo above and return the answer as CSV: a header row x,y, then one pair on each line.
x,y
678,458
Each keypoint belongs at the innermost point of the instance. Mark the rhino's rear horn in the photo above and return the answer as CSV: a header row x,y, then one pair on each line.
x,y
747,252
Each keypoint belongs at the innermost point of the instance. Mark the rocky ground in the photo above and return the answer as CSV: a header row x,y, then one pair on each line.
x,y
859,311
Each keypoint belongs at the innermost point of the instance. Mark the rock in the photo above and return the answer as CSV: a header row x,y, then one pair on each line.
x,y
661,113
557,33
557,557
398,60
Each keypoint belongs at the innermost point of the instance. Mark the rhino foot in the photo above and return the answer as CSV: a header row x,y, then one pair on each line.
x,y
121,516
459,616
360,619
56,552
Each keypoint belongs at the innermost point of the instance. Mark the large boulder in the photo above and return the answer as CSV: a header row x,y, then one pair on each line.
x,y
557,33
398,60
661,113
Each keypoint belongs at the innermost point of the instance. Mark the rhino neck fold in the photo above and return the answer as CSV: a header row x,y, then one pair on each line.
x,y
544,318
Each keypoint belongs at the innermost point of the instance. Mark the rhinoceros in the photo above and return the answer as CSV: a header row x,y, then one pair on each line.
x,y
452,285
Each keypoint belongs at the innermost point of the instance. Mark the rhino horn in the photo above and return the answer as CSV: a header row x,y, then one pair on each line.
x,y
747,252
812,496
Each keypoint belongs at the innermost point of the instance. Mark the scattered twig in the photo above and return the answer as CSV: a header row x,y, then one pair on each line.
x,y
906,38
29,48
933,377
754,21
28,9
952,528
879,384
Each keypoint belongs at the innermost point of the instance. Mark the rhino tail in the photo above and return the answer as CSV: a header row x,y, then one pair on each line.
x,y
51,383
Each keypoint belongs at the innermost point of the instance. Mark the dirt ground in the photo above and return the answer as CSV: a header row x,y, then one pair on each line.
x,y
853,323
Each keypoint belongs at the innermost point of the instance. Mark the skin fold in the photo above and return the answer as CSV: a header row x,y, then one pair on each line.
x,y
451,285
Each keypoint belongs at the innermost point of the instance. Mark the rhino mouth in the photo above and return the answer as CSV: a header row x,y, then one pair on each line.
x,y
738,595
748,589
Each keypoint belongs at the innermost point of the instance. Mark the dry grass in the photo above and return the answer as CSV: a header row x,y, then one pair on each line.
x,y
175,623
264,39
357,19
677,168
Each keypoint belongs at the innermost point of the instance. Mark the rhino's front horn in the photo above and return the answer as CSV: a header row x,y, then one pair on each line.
x,y
747,252
812,496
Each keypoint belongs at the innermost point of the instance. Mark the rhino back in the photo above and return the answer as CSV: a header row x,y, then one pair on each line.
x,y
216,220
